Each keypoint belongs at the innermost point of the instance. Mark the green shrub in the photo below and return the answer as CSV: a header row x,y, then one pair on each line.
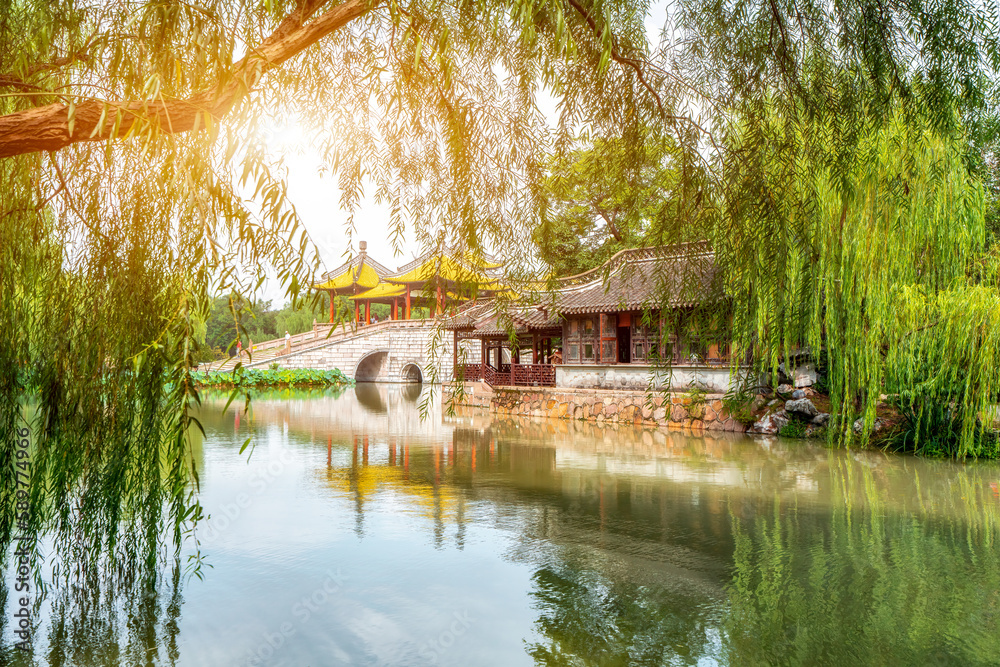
x,y
793,429
931,426
254,377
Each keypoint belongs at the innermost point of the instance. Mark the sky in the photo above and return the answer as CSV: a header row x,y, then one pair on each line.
x,y
316,196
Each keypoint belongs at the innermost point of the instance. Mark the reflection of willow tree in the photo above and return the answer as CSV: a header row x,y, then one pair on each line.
x,y
867,586
587,618
114,527
86,627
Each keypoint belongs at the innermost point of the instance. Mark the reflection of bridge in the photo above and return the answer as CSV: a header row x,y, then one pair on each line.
x,y
391,351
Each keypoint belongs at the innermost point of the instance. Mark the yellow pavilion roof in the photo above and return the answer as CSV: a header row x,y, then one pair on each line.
x,y
360,272
443,268
381,291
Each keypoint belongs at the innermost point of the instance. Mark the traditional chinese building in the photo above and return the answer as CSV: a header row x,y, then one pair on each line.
x,y
446,276
435,279
358,275
605,328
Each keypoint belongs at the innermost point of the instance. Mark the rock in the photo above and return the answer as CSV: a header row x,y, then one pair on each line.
x,y
802,407
785,388
770,424
773,402
798,393
659,414
821,419
812,431
804,381
758,403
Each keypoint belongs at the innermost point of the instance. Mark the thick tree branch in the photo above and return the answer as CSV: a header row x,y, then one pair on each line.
x,y
609,220
47,128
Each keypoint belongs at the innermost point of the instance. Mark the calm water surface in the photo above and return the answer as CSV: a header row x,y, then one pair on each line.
x,y
358,534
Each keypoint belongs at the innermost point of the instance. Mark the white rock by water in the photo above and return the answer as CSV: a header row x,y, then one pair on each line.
x,y
802,407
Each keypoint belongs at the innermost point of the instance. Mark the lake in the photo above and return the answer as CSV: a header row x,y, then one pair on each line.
x,y
353,532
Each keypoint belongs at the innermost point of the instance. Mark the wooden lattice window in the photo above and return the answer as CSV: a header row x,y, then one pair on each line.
x,y
571,345
588,349
644,341
580,341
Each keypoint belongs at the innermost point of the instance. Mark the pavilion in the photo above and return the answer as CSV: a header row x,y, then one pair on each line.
x,y
447,274
358,275
432,279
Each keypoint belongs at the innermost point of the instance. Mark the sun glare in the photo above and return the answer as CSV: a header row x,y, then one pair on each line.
x,y
284,136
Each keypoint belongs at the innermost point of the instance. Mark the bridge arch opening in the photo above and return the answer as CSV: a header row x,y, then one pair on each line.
x,y
411,373
372,366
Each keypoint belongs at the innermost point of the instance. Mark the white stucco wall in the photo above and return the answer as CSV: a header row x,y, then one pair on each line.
x,y
714,379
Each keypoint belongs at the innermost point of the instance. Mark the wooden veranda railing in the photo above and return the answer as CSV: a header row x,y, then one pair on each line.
x,y
520,375
533,375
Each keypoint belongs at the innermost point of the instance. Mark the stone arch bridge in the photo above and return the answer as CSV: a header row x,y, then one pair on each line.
x,y
391,351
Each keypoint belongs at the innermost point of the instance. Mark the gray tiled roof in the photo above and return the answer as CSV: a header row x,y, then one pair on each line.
x,y
679,275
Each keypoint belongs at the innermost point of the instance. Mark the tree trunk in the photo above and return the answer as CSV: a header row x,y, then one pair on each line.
x,y
48,128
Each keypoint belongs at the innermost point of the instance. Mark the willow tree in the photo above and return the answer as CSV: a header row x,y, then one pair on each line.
x,y
850,211
135,181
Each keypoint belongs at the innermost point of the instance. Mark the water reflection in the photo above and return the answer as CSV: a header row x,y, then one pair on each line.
x,y
654,546
565,543
370,398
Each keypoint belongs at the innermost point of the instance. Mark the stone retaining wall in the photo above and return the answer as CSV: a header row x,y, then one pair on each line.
x,y
608,406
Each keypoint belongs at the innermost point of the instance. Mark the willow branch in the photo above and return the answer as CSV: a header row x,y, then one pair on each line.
x,y
48,128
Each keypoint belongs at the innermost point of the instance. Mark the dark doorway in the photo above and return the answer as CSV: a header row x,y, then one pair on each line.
x,y
624,345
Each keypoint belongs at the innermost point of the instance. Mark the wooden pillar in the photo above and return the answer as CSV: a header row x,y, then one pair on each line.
x,y
439,307
332,297
482,350
454,363
534,349
368,311
394,309
357,312
407,302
